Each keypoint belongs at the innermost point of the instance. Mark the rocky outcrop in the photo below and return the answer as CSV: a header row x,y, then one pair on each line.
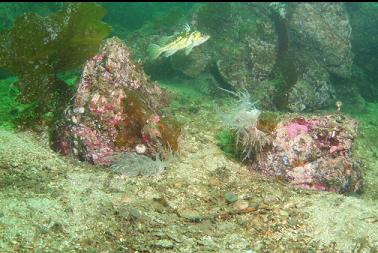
x,y
319,39
298,47
116,107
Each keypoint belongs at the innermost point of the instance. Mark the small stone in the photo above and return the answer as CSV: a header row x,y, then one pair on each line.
x,y
306,215
164,244
74,120
293,222
289,205
140,148
79,110
207,241
264,206
134,214
284,213
230,197
255,203
241,205
191,215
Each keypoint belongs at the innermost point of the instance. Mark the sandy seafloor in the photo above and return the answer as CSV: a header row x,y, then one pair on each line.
x,y
51,203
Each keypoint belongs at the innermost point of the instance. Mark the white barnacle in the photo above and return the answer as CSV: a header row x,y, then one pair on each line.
x,y
140,148
74,120
79,110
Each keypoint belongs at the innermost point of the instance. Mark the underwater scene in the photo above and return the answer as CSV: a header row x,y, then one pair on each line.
x,y
188,127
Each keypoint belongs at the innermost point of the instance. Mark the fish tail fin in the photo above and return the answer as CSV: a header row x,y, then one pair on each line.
x,y
154,51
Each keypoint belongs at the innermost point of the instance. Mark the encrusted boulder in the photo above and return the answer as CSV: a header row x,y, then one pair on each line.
x,y
319,39
312,90
323,32
313,153
116,107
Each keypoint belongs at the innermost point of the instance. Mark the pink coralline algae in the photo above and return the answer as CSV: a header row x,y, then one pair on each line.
x,y
299,126
107,114
293,129
313,153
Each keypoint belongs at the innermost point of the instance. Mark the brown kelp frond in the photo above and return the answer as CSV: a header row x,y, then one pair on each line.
x,y
37,49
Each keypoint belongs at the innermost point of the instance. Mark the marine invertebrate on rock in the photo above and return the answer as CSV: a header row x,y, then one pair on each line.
x,y
244,115
140,148
133,164
243,120
37,49
253,141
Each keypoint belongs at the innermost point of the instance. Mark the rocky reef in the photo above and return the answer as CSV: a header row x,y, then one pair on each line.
x,y
285,55
115,108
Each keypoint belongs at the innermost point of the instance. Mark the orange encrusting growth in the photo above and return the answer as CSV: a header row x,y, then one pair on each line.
x,y
138,115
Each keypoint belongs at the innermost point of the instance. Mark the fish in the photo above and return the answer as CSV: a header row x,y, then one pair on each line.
x,y
187,40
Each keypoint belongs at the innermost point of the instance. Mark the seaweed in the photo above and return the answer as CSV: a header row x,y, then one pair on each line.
x,y
138,115
226,142
37,49
170,130
130,129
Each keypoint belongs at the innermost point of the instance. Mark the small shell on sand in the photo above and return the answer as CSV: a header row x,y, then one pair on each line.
x,y
241,204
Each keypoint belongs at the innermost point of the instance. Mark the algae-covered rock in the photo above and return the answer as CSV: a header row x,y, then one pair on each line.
x,y
10,11
116,107
322,32
313,153
242,45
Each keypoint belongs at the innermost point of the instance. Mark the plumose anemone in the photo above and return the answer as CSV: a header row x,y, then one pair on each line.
x,y
242,120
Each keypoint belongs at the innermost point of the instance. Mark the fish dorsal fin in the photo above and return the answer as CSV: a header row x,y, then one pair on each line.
x,y
166,39
186,29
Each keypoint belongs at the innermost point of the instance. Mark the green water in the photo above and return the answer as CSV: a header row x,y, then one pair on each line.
x,y
292,58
